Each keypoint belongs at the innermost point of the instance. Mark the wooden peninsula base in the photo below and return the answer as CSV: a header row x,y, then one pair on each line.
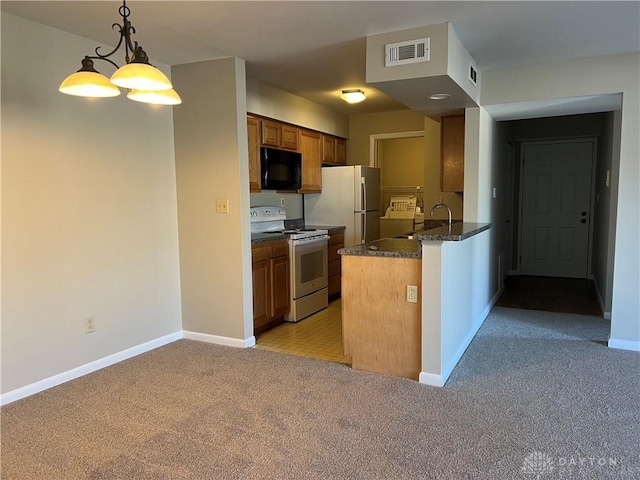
x,y
381,331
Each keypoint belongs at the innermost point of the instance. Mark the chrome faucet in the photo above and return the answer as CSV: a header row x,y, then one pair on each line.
x,y
441,205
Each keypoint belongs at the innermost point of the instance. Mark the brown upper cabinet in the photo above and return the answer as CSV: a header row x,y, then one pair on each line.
x,y
279,135
311,149
316,148
253,136
452,153
334,150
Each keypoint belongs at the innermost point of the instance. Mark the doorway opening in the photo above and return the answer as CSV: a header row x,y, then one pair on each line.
x,y
560,214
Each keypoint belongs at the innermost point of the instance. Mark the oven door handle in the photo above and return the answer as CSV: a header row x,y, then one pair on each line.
x,y
312,241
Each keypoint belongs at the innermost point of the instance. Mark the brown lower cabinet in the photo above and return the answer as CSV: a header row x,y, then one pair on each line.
x,y
271,298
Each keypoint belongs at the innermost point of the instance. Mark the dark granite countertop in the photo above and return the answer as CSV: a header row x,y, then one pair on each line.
x,y
386,247
267,237
455,232
411,247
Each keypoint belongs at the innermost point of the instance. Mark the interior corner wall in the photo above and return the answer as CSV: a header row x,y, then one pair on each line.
x,y
212,163
613,74
362,126
89,222
604,217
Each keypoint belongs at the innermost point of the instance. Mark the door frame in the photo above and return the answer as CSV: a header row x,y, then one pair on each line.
x,y
594,160
373,142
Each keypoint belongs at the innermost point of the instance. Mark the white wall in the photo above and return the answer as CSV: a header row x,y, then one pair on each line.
x,y
452,271
89,221
212,163
268,101
615,74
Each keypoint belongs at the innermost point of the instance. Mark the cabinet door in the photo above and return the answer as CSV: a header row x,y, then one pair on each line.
x,y
271,134
452,154
341,151
280,296
311,149
253,135
328,149
289,137
261,292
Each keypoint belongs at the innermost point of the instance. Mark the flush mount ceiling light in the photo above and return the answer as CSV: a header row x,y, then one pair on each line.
x,y
353,95
145,82
439,96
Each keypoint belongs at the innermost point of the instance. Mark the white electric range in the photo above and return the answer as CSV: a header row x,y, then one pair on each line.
x,y
308,252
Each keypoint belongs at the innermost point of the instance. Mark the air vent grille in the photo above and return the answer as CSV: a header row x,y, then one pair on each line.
x,y
473,74
410,51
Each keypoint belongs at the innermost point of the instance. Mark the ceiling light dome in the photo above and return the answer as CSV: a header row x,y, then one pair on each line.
x,y
88,82
354,95
156,97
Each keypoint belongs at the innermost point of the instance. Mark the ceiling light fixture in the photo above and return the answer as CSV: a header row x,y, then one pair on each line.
x,y
439,96
144,81
353,95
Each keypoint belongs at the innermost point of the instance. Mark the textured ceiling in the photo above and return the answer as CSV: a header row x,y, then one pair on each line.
x,y
315,49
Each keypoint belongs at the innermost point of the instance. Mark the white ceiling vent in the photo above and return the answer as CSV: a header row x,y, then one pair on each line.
x,y
409,51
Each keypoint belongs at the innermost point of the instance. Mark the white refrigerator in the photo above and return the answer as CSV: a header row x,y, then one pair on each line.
x,y
350,197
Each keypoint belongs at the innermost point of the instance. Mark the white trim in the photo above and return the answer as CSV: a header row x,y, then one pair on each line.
x,y
431,379
605,315
624,344
440,380
87,368
218,340
448,368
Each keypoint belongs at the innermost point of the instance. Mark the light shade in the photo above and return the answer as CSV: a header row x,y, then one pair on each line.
x,y
156,97
353,96
140,76
88,84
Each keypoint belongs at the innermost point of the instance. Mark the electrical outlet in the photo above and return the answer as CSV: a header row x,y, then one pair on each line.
x,y
89,324
282,201
222,205
412,293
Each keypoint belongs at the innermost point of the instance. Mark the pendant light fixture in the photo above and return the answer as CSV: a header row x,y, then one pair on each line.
x,y
144,82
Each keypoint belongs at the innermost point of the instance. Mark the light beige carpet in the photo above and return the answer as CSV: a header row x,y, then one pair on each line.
x,y
535,396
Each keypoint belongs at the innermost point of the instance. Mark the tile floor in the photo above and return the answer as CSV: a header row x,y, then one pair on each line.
x,y
317,336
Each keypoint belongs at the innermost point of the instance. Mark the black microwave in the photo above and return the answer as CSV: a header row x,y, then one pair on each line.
x,y
280,169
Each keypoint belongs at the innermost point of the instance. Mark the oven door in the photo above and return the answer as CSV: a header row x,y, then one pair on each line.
x,y
309,268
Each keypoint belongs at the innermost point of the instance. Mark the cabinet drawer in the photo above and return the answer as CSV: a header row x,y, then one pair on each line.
x,y
281,250
335,267
260,254
336,238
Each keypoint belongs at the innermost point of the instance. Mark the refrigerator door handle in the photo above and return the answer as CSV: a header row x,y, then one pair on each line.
x,y
364,227
363,194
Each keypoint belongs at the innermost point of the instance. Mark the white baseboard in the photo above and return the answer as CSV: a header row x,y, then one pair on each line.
x,y
606,315
87,368
624,344
440,380
219,340
431,379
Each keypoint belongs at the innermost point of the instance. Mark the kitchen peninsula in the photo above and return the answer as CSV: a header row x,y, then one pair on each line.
x,y
385,331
